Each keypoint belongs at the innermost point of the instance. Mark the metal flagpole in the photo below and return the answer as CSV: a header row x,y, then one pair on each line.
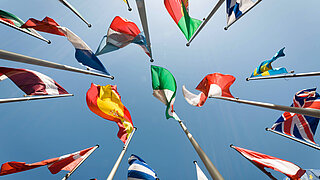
x,y
219,3
11,56
295,139
285,76
124,149
75,168
74,11
213,171
256,3
304,111
25,31
129,8
261,169
28,98
144,22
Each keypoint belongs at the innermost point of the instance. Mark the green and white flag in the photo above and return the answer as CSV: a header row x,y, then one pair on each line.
x,y
164,88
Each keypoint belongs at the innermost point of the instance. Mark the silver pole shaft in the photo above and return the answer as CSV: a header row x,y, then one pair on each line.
x,y
304,111
144,22
124,149
219,3
25,31
11,56
261,169
285,76
256,3
295,139
75,168
213,171
29,98
75,11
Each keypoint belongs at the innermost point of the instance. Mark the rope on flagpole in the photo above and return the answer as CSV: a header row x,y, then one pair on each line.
x,y
285,76
213,171
28,98
25,31
219,3
295,139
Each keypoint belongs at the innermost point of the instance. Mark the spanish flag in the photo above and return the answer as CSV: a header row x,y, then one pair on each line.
x,y
105,101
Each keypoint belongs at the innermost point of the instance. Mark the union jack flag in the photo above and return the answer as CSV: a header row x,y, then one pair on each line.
x,y
297,125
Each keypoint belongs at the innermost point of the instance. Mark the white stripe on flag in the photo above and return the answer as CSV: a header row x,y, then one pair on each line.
x,y
118,39
141,168
76,41
51,87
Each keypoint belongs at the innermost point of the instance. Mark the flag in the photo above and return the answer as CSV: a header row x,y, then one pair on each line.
x,y
236,8
178,10
55,165
265,68
139,169
264,161
200,174
105,101
84,54
212,85
164,88
32,82
15,21
121,33
310,174
297,125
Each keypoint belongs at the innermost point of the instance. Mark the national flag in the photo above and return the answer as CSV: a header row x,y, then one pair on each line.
x,y
32,82
67,162
264,161
297,125
212,85
237,8
200,174
164,88
139,169
265,68
105,101
84,54
178,10
16,21
310,174
121,33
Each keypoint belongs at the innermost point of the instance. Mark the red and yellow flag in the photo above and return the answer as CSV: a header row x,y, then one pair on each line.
x,y
105,101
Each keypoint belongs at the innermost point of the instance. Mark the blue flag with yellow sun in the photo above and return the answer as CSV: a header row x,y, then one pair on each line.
x,y
265,68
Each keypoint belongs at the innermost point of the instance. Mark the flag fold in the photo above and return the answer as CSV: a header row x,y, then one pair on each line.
x,y
236,8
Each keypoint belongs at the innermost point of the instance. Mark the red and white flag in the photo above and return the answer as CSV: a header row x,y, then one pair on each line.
x,y
47,25
32,82
212,85
291,170
55,165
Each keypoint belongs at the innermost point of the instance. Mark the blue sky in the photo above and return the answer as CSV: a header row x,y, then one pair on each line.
x,y
39,130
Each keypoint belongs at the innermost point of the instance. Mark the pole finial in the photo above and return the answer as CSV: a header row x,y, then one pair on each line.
x,y
89,25
194,162
151,60
231,145
188,44
130,9
49,42
247,79
112,77
225,28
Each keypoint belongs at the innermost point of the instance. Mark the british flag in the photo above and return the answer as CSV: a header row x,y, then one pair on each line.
x,y
297,125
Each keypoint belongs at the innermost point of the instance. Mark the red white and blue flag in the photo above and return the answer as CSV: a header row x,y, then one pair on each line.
x,y
297,125
121,33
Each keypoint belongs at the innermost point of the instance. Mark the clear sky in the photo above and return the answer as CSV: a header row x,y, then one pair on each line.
x,y
39,130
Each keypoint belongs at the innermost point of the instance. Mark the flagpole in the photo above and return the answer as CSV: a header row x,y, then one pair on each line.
x,y
256,3
304,111
74,11
261,169
11,56
219,3
75,168
124,149
25,31
28,98
129,8
213,171
285,76
144,22
295,139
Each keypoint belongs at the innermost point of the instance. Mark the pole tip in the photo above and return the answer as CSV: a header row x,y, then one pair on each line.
x,y
188,44
49,42
292,71
112,78
231,145
267,129
89,25
135,128
130,9
98,145
247,79
225,28
194,162
151,60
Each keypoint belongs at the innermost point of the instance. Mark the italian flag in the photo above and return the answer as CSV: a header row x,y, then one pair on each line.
x,y
178,10
164,88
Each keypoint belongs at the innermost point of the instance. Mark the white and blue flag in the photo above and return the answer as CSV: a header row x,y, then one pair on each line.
x,y
237,8
139,169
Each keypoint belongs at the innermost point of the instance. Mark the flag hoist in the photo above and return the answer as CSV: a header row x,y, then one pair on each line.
x,y
105,101
164,89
